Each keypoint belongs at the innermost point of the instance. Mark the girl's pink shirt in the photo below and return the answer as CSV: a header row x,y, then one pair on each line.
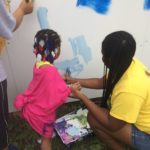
x,y
45,93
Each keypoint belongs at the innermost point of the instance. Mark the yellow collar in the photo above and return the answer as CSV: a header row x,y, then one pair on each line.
x,y
41,63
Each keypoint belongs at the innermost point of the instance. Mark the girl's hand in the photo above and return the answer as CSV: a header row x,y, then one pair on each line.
x,y
75,89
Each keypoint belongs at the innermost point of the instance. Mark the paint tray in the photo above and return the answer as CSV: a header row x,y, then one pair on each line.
x,y
73,126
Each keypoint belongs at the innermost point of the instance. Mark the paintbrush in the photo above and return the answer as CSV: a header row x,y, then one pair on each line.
x,y
68,72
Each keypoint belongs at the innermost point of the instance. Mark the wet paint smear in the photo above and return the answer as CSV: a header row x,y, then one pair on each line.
x,y
100,6
147,4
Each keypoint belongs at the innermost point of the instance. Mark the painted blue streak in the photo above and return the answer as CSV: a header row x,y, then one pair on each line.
x,y
42,17
74,66
147,4
100,6
74,46
80,47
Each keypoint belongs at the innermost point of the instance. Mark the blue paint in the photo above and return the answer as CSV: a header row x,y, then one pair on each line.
x,y
80,47
74,66
42,17
100,6
73,131
147,4
74,46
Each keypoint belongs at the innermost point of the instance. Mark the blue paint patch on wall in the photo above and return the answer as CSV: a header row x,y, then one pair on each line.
x,y
147,4
74,66
100,6
80,47
42,17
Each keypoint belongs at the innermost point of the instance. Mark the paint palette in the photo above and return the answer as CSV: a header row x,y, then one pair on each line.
x,y
73,126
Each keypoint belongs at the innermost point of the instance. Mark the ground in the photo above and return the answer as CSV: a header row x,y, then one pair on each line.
x,y
24,138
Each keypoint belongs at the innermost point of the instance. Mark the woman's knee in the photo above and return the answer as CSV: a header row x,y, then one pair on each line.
x,y
94,125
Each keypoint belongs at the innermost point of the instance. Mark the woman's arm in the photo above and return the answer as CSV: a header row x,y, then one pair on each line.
x,y
93,83
100,114
23,9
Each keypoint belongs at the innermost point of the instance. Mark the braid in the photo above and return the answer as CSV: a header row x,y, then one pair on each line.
x,y
54,38
119,47
46,43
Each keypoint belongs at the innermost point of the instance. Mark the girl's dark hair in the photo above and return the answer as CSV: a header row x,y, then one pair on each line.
x,y
118,48
51,41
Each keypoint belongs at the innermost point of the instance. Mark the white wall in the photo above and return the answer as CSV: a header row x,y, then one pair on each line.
x,y
72,22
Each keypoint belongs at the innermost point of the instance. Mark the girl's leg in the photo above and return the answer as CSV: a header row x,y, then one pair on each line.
x,y
46,144
114,140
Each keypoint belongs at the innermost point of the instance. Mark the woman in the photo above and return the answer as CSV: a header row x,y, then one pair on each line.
x,y
8,24
126,87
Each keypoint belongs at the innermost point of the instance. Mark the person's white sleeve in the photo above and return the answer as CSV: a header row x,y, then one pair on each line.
x,y
7,22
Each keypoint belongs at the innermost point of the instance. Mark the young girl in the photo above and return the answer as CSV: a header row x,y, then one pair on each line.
x,y
47,90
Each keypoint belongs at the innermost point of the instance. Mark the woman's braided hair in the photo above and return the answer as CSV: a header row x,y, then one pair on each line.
x,y
119,48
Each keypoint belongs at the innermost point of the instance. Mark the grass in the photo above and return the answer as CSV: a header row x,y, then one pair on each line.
x,y
24,138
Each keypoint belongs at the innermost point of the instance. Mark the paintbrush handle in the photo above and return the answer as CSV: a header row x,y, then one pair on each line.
x,y
68,72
